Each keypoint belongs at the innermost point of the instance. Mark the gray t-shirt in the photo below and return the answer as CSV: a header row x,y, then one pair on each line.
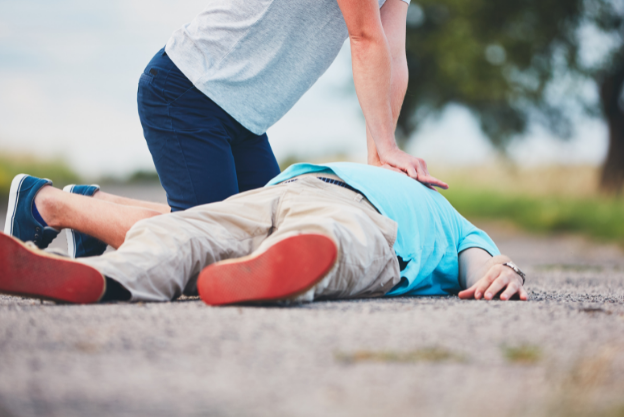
x,y
256,58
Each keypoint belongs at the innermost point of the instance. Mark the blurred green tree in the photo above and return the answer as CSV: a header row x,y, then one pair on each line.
x,y
516,63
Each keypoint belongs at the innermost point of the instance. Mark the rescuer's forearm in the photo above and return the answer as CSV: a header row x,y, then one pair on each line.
x,y
372,75
399,81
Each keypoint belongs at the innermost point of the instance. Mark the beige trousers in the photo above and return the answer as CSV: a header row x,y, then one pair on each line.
x,y
162,256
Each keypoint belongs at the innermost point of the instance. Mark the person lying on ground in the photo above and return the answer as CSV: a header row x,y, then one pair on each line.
x,y
333,231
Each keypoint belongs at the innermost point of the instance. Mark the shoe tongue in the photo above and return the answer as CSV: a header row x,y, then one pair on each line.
x,y
48,234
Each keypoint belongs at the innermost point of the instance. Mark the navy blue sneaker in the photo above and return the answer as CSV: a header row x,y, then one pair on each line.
x,y
80,245
20,221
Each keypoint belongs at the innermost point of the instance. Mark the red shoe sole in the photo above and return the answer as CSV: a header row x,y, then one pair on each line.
x,y
25,272
288,268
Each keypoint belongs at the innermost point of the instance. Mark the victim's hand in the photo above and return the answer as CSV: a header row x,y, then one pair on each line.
x,y
497,278
416,168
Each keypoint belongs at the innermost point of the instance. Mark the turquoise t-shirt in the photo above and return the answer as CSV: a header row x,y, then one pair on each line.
x,y
431,233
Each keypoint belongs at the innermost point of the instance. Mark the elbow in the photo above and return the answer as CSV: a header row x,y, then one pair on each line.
x,y
365,38
365,44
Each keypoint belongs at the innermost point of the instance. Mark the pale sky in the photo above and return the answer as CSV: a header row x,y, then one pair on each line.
x,y
68,78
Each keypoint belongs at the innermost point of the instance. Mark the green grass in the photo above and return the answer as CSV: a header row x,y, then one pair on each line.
x,y
523,354
430,354
56,170
596,216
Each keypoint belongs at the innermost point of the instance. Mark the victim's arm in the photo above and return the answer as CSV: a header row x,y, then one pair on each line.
x,y
484,276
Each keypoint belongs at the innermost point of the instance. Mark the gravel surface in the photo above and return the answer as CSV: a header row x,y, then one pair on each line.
x,y
561,353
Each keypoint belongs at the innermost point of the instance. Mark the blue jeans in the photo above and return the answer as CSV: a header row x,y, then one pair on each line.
x,y
201,153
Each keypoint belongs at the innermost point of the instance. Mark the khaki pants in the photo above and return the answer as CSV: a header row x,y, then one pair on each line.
x,y
162,256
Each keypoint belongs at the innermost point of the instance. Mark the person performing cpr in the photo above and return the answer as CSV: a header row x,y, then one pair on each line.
x,y
208,97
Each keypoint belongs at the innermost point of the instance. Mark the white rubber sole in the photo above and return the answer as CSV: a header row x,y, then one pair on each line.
x,y
69,233
13,198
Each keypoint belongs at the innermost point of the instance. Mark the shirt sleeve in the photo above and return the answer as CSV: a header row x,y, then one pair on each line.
x,y
473,237
406,1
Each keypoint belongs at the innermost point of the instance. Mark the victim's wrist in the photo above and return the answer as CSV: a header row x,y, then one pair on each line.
x,y
499,259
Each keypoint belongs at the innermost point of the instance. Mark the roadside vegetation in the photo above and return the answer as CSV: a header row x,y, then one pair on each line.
x,y
58,171
137,177
12,164
553,199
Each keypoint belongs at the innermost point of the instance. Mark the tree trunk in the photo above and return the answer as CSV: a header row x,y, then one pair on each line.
x,y
612,178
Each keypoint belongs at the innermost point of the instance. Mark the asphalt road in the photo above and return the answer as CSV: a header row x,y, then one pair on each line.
x,y
562,353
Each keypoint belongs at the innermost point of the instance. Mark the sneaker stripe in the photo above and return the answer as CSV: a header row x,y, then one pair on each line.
x,y
14,193
70,235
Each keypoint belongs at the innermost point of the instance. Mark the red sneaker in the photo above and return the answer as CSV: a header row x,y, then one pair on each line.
x,y
288,268
30,272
